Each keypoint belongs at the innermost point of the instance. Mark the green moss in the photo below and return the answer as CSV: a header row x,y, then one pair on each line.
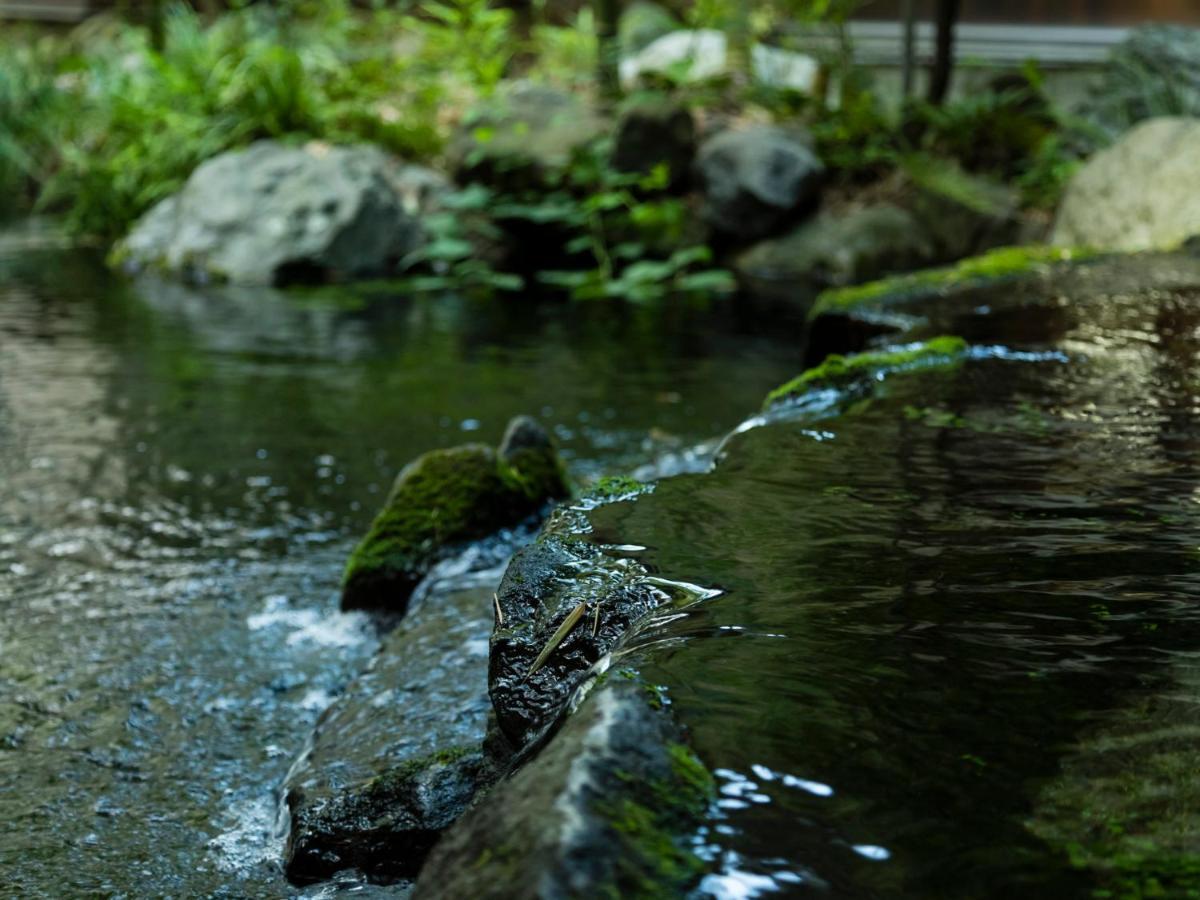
x,y
651,821
653,818
399,776
616,487
1005,262
840,371
443,497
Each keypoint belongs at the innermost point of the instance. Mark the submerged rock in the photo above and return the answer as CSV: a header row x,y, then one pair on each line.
x,y
444,498
835,249
1127,800
398,756
606,809
1139,194
523,135
274,213
654,130
753,178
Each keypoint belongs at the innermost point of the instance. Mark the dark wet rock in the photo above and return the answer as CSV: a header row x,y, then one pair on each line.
x,y
274,213
444,498
754,178
642,23
606,809
545,583
399,756
1155,71
835,249
1021,297
522,135
1138,194
864,369
655,130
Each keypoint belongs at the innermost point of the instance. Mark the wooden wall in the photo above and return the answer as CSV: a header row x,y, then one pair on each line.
x,y
1052,12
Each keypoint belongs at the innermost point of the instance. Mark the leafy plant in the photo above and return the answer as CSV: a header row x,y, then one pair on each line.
x,y
31,109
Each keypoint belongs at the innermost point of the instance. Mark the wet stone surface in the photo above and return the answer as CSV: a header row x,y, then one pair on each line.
x,y
398,756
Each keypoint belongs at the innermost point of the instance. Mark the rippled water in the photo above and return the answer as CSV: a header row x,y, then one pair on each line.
x,y
181,476
956,647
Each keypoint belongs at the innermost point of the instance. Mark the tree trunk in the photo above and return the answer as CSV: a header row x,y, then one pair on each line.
x,y
908,17
608,18
943,62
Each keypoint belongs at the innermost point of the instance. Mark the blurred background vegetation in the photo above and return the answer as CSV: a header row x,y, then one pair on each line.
x,y
100,121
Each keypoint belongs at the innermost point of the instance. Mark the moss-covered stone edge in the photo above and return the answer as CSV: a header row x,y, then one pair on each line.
x,y
655,821
838,372
1003,262
447,496
614,488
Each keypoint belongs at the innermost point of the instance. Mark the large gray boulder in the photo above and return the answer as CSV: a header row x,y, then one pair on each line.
x,y
1139,194
273,213
753,178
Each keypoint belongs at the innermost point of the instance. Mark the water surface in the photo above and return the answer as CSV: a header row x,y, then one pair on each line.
x,y
182,473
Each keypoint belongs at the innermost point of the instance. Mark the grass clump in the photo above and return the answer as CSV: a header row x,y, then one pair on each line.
x,y
841,371
124,115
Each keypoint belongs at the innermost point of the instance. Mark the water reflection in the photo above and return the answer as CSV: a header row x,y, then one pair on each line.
x,y
979,582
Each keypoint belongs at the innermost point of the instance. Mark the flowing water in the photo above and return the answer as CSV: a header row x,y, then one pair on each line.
x,y
948,645
957,641
182,474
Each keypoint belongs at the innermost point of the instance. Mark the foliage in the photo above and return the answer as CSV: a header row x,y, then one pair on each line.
x,y
138,118
618,235
31,104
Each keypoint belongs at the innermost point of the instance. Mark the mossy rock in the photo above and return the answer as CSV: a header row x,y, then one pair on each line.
x,y
963,213
385,826
840,372
998,264
608,808
444,498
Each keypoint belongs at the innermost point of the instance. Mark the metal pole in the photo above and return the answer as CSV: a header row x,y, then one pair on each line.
x,y
908,17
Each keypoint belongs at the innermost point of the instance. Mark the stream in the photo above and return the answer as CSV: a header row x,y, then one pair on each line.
x,y
182,475
939,640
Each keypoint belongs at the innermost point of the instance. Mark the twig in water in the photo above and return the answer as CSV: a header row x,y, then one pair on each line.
x,y
564,629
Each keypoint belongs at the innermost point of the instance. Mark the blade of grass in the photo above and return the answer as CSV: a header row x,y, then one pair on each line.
x,y
564,629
